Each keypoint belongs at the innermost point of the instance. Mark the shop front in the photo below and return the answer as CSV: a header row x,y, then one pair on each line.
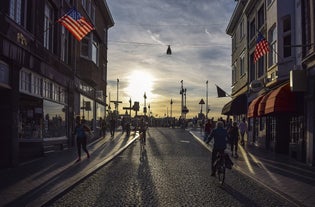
x,y
280,121
42,121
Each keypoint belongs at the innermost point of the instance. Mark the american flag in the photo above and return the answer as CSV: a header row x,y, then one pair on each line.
x,y
262,47
77,25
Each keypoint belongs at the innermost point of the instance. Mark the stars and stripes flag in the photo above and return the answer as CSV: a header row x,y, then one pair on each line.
x,y
262,47
77,25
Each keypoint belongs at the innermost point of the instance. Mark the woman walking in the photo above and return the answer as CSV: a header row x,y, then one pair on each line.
x,y
80,131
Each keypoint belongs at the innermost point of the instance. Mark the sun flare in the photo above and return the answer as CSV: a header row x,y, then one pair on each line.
x,y
140,82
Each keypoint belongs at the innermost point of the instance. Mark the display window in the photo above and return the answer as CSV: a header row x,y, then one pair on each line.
x,y
55,123
30,118
87,110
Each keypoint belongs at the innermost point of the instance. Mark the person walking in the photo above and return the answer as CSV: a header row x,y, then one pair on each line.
x,y
219,134
112,123
80,132
143,129
208,128
233,138
243,129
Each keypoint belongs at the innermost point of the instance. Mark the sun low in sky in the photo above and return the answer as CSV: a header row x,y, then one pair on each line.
x,y
139,82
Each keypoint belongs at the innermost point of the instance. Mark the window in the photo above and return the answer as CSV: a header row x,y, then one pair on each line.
x,y
25,81
48,27
90,9
252,28
234,73
64,53
20,11
242,29
252,68
242,64
273,46
261,67
261,17
287,37
37,85
90,48
233,43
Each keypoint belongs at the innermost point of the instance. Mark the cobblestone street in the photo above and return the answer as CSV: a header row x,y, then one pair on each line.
x,y
173,171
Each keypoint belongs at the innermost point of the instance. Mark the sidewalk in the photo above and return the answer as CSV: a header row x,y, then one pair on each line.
x,y
288,178
36,182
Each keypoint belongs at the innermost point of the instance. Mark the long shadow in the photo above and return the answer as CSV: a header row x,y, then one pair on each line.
x,y
245,200
147,187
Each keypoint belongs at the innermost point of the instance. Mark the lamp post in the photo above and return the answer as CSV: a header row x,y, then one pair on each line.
x,y
207,106
130,107
171,107
182,102
145,104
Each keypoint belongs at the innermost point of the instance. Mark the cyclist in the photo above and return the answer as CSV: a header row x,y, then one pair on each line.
x,y
219,134
143,130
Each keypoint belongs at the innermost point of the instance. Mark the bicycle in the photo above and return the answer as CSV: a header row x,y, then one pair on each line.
x,y
220,166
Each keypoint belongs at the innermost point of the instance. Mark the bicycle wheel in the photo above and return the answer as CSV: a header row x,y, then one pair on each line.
x,y
221,174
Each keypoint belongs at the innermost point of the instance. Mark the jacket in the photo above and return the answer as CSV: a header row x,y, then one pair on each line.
x,y
219,134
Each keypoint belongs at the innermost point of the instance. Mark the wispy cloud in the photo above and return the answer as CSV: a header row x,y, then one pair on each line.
x,y
201,50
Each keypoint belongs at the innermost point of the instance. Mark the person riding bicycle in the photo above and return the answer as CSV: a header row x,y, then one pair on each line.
x,y
143,130
219,134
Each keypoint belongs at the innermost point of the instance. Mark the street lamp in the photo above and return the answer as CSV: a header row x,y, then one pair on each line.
x,y
207,106
130,107
171,107
169,51
145,105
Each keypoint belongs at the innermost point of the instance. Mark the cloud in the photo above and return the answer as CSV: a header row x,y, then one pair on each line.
x,y
200,50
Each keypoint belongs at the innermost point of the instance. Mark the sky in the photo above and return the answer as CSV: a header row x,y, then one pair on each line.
x,y
201,51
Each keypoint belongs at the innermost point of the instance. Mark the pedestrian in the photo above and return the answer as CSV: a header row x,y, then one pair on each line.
x,y
102,124
219,134
143,130
208,128
233,138
112,123
80,132
243,129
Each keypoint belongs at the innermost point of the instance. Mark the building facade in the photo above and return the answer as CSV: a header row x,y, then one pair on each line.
x,y
275,106
47,76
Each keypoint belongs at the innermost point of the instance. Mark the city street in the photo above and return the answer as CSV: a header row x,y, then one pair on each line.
x,y
174,170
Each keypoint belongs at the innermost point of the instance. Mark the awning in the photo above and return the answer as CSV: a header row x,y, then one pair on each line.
x,y
281,100
262,104
253,107
237,106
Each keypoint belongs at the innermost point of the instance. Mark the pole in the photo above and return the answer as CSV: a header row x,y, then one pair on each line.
x,y
116,105
182,93
130,107
207,110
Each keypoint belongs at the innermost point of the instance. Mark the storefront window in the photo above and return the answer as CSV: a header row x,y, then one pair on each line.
x,y
87,110
30,118
296,129
54,120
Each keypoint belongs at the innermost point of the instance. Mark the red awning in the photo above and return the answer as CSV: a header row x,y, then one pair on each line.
x,y
262,104
253,107
281,100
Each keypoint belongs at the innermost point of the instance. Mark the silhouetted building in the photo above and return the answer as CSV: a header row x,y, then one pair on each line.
x,y
47,77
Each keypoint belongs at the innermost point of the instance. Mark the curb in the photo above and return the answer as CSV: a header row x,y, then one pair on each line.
x,y
281,194
60,188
